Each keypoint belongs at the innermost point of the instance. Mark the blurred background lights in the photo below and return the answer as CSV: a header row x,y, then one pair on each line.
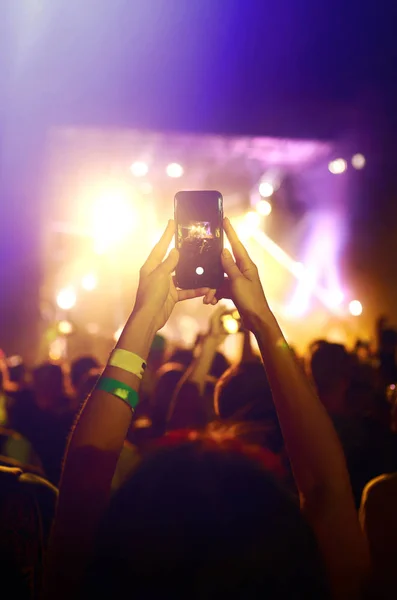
x,y
65,327
174,170
337,166
355,308
89,282
264,208
230,324
139,169
358,161
114,220
66,298
266,189
252,219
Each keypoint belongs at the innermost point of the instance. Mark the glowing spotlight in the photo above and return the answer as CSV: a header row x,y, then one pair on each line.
x,y
337,166
358,161
252,219
174,170
336,297
355,308
117,334
264,208
57,349
65,327
139,169
89,282
266,189
230,324
66,298
114,220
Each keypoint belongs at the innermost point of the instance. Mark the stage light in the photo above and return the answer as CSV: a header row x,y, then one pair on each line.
x,y
117,333
264,208
89,282
114,219
358,161
230,324
174,170
139,169
336,297
266,189
66,298
252,219
57,349
337,166
65,327
355,308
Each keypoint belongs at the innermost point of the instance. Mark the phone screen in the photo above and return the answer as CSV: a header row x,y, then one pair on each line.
x,y
199,239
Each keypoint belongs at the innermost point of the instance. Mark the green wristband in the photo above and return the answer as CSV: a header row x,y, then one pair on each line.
x,y
120,390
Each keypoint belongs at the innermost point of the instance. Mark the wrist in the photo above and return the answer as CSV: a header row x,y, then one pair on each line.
x,y
138,333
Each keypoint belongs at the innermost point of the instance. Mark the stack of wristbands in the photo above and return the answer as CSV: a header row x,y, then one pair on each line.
x,y
128,361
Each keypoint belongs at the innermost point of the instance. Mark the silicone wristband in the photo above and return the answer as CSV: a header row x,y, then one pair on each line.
x,y
128,361
120,390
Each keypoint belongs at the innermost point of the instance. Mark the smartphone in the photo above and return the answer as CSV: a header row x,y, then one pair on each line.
x,y
199,239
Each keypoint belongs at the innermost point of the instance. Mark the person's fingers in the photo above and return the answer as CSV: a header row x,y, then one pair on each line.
x,y
214,301
160,249
242,257
209,296
230,267
189,294
169,264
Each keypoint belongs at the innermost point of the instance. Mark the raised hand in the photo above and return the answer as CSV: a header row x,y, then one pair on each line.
x,y
242,285
157,294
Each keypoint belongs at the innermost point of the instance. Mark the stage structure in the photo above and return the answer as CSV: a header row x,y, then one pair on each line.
x,y
109,193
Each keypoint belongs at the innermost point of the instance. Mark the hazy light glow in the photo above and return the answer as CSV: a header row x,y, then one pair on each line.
x,y
230,324
358,161
355,308
174,170
139,169
114,220
266,189
252,219
264,208
337,166
65,327
66,298
89,282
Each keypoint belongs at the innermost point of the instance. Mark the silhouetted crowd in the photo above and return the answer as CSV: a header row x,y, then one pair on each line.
x,y
213,493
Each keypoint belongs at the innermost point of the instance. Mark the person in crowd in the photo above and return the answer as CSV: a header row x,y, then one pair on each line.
x,y
79,371
369,446
201,518
387,352
378,520
43,417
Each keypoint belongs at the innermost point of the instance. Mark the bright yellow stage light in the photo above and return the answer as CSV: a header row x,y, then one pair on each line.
x,y
264,208
89,282
66,298
355,308
113,221
230,324
65,327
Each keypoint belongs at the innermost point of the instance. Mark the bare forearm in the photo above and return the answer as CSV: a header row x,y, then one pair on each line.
x,y
203,363
313,446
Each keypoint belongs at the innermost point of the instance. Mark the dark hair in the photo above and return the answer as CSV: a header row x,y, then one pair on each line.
x,y
330,364
80,369
48,375
243,393
204,519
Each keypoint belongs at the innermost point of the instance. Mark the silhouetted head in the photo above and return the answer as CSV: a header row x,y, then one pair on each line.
x,y
48,385
331,367
204,518
80,368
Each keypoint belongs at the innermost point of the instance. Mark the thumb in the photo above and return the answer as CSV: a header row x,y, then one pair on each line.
x,y
230,267
171,261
